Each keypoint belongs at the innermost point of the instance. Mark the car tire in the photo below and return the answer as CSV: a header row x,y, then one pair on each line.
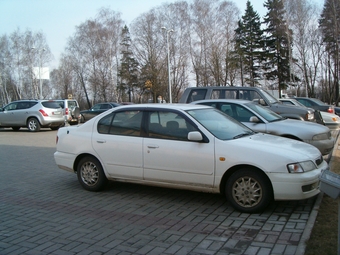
x,y
90,174
33,125
16,128
249,190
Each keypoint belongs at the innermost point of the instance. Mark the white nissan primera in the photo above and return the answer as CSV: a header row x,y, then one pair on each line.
x,y
190,147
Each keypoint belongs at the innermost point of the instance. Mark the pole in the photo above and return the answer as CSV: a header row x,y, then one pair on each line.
x,y
41,97
167,41
168,31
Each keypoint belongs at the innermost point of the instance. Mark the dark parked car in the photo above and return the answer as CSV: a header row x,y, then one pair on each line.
x,y
318,105
96,110
257,95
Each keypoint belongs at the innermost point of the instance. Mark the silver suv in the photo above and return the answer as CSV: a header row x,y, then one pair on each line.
x,y
33,114
70,109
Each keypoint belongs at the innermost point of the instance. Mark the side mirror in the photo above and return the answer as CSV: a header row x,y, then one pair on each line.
x,y
262,102
254,119
195,136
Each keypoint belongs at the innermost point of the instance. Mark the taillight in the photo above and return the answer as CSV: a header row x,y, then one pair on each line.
x,y
43,113
66,111
330,110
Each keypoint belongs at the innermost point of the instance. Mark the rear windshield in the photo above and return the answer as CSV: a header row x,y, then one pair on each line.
x,y
51,104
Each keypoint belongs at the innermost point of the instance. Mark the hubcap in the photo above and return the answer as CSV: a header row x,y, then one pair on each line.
x,y
89,173
247,192
32,125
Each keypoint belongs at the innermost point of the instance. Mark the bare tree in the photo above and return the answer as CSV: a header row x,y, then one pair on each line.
x,y
302,18
212,31
94,50
19,53
147,45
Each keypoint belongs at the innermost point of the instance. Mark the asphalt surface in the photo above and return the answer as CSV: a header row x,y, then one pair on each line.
x,y
44,210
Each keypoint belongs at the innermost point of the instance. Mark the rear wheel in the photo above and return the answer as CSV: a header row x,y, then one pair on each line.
x,y
33,125
248,190
90,174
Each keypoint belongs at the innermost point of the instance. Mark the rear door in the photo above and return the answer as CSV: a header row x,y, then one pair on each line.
x,y
118,142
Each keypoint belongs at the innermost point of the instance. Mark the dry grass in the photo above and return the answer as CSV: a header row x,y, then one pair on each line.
x,y
324,236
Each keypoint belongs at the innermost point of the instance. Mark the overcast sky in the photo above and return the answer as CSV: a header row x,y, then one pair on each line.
x,y
57,19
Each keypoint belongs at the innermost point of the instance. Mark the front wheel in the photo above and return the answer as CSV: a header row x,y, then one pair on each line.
x,y
90,174
249,191
33,125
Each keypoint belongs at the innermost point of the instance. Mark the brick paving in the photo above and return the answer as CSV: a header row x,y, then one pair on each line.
x,y
44,210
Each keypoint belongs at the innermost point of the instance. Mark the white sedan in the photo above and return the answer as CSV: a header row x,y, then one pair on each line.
x,y
190,147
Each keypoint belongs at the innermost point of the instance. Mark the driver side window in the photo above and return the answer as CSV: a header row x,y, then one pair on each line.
x,y
168,125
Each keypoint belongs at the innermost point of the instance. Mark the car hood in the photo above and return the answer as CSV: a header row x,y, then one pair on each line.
x,y
274,148
289,126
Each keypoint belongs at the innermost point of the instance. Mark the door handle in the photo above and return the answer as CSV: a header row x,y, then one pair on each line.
x,y
152,146
101,141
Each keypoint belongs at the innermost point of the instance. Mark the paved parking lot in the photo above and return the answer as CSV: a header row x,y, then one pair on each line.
x,y
44,210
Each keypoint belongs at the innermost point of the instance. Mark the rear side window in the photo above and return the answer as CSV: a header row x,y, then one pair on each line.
x,y
127,123
24,105
197,94
51,104
224,94
249,95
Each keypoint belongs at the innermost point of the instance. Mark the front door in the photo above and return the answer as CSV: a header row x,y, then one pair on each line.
x,y
169,156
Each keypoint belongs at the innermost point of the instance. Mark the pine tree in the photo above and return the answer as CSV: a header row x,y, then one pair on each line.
x,y
330,27
129,67
277,44
249,39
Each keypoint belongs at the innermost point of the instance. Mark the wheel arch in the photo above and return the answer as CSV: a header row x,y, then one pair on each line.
x,y
33,116
83,155
232,170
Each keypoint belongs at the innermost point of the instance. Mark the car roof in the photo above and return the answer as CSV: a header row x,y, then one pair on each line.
x,y
236,101
174,106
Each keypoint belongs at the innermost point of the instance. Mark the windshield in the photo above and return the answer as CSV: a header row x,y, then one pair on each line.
x,y
296,102
265,113
220,124
269,97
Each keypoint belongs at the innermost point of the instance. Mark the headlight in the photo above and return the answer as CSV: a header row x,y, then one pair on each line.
x,y
301,167
323,136
310,116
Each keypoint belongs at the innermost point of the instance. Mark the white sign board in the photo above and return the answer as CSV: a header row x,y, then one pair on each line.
x,y
44,73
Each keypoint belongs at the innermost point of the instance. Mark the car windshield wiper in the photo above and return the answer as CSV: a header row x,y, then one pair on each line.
x,y
242,135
